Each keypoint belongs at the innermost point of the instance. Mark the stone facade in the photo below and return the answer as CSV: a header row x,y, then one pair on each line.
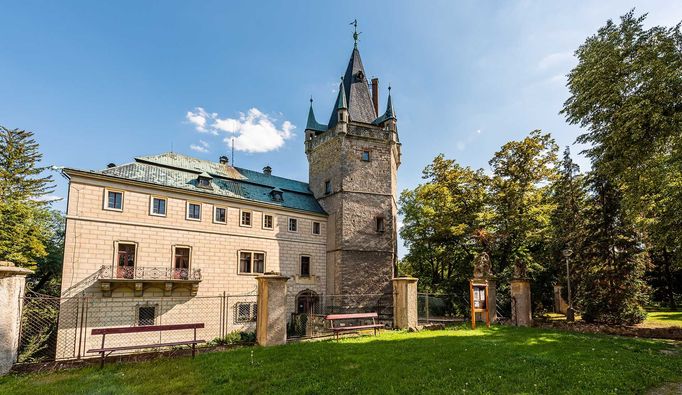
x,y
353,170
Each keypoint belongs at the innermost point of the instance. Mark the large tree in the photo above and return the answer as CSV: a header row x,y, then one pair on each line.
x,y
441,219
611,287
626,91
523,172
23,225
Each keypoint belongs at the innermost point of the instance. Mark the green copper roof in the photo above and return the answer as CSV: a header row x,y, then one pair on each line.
x,y
341,98
312,122
180,171
389,114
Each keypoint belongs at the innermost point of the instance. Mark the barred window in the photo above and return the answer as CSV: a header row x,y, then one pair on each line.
x,y
146,315
246,312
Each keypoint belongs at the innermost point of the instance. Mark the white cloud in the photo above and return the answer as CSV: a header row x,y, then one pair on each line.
x,y
556,60
461,145
254,131
201,147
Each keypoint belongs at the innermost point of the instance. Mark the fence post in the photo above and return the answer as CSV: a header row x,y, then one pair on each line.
x,y
427,308
405,303
271,322
12,286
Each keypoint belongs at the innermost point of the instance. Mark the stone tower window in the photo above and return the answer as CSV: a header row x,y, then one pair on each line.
x,y
365,156
380,224
327,187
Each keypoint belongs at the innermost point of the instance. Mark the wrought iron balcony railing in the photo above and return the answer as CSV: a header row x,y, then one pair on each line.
x,y
107,272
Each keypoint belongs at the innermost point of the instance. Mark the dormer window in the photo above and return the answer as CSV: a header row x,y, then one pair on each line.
x,y
277,195
204,180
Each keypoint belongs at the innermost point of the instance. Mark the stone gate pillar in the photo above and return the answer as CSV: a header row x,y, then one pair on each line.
x,y
271,321
405,303
12,285
521,307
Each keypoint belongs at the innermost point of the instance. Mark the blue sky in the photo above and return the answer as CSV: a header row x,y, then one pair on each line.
x,y
102,82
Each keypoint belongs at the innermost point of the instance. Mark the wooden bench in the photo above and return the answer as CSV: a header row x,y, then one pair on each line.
x,y
105,351
355,316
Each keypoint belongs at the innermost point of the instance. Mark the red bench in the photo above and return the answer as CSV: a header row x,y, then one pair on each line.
x,y
105,351
355,316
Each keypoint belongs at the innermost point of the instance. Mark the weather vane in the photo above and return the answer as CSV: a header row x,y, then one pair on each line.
x,y
356,35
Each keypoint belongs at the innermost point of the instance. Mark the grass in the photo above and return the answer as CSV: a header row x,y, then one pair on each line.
x,y
662,318
496,360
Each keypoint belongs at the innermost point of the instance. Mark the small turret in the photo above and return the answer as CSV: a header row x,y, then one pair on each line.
x,y
342,110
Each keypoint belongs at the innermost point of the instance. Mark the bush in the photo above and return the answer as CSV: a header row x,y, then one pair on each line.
x,y
233,338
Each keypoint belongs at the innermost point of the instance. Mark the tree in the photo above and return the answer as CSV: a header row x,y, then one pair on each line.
x,y
567,220
20,175
627,92
520,189
611,287
440,221
23,230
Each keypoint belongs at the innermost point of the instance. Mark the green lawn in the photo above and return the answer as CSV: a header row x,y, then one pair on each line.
x,y
663,318
496,360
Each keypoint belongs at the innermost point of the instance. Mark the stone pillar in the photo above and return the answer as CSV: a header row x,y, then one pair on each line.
x,y
271,322
405,303
492,300
521,307
12,285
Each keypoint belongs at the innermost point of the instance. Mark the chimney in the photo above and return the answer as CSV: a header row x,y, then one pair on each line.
x,y
267,170
375,95
223,160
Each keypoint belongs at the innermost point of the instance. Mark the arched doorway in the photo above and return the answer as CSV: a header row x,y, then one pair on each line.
x,y
307,302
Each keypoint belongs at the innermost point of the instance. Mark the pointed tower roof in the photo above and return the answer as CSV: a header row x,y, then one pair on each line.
x,y
389,114
356,91
341,98
312,122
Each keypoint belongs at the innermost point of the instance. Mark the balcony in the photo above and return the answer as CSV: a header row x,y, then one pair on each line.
x,y
141,278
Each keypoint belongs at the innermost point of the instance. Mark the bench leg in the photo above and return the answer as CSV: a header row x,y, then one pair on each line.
x,y
194,349
101,362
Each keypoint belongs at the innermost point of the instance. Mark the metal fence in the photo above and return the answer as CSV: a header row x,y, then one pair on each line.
x,y
442,308
308,320
60,328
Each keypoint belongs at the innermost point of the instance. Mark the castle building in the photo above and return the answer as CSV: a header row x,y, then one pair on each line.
x,y
167,230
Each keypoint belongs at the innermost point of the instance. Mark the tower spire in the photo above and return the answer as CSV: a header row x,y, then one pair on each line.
x,y
356,35
312,123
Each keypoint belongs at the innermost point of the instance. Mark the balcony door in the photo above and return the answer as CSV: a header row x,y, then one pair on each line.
x,y
181,257
125,261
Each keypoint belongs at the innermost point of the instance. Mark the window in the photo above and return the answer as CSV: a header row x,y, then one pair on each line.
x,y
293,225
146,315
251,262
114,200
380,227
125,260
316,228
365,156
305,266
268,221
220,215
181,261
245,218
327,187
158,206
194,211
246,312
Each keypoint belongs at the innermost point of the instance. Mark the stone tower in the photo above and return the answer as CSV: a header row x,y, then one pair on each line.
x,y
353,163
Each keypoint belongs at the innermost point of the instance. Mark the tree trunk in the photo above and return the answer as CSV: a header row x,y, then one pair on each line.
x,y
668,279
